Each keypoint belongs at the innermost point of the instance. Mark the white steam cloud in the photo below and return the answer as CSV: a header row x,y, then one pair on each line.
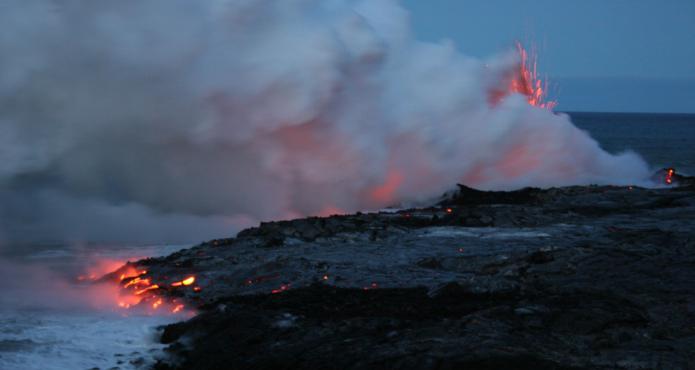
x,y
202,113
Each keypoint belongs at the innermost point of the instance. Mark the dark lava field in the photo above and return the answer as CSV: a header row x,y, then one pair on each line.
x,y
590,277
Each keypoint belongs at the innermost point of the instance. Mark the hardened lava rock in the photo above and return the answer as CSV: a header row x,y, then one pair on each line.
x,y
597,277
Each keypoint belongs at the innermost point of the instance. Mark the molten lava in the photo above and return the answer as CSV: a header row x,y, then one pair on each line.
x,y
185,282
524,80
145,290
131,288
668,179
128,272
137,282
528,83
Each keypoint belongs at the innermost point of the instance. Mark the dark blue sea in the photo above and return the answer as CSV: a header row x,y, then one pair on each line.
x,y
663,140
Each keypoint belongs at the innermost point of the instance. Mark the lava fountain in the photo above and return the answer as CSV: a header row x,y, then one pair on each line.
x,y
524,79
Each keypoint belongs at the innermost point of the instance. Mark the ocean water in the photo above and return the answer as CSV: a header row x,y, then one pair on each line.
x,y
44,339
48,321
38,333
663,140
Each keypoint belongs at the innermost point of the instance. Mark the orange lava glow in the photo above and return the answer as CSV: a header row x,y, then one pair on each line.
x,y
130,288
185,282
137,282
131,272
145,290
525,81
157,303
331,211
669,176
99,268
386,192
518,160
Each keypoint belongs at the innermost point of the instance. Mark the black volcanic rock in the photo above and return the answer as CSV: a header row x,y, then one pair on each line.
x,y
569,278
466,196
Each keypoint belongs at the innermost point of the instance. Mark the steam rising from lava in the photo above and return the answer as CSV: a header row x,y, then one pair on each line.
x,y
226,110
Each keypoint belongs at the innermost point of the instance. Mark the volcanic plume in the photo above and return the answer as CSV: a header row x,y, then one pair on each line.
x,y
120,113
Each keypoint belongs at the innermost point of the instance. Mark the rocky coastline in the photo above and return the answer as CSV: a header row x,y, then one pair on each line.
x,y
585,277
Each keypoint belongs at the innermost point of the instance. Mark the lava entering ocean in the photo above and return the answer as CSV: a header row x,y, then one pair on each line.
x,y
130,287
525,80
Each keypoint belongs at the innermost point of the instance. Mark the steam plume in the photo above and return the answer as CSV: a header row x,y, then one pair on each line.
x,y
207,112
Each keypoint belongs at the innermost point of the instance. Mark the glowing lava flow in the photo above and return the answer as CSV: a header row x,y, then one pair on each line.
x,y
134,289
669,176
137,282
138,290
185,282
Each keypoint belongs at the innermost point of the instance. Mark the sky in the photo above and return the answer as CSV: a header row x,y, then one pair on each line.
x,y
599,55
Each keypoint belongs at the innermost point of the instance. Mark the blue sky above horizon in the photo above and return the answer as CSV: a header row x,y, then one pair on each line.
x,y
599,55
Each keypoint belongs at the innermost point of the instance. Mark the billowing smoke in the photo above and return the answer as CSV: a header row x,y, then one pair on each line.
x,y
123,115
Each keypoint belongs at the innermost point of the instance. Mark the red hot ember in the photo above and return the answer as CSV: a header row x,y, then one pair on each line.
x,y
282,288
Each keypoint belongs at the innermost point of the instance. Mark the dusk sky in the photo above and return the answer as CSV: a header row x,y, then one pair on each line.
x,y
600,55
